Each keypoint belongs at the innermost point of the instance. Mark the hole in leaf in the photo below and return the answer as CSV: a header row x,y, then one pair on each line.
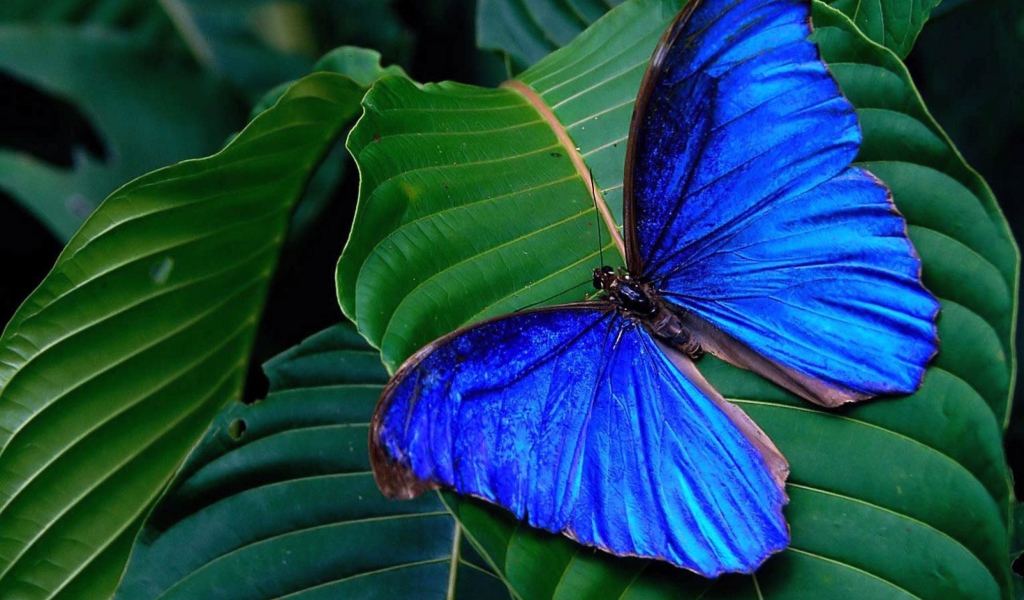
x,y
161,271
237,429
47,127
79,206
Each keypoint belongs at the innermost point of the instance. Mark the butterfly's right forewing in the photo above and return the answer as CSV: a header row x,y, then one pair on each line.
x,y
743,210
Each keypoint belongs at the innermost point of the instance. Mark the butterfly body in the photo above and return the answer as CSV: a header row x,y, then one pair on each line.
x,y
640,301
748,235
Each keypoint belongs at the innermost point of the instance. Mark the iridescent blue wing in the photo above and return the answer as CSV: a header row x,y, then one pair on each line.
x,y
578,422
743,209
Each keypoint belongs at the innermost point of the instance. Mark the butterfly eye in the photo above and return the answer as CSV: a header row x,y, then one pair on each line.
x,y
600,275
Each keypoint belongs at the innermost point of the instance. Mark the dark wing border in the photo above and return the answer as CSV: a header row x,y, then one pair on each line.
x,y
651,77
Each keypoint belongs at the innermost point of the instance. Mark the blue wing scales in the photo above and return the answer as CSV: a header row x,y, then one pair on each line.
x,y
577,421
744,210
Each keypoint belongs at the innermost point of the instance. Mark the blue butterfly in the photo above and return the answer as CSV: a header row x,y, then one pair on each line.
x,y
748,235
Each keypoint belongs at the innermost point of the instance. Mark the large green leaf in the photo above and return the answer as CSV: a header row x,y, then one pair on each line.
x,y
470,206
278,499
364,67
149,110
527,30
112,369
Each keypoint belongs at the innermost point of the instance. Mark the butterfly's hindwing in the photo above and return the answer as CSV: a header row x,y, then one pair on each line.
x,y
574,419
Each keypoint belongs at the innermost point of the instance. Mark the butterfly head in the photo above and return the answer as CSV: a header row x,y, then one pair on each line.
x,y
634,296
603,277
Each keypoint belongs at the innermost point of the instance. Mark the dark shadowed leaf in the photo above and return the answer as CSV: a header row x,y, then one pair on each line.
x,y
257,45
147,108
527,30
364,67
278,500
113,368
144,18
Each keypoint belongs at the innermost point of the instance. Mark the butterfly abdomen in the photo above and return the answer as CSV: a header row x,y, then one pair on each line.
x,y
666,325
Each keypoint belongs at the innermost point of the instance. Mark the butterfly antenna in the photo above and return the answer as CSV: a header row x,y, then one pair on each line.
x,y
575,287
597,217
600,250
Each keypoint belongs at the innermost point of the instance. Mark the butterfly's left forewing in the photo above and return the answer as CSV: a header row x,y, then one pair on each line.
x,y
575,419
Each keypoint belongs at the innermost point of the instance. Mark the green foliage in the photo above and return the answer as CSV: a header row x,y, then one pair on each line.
x,y
148,110
527,30
470,205
257,44
482,157
143,17
488,157
1017,542
362,66
891,23
122,65
114,367
289,477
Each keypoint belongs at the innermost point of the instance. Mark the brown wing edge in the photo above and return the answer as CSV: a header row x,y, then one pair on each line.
x,y
395,479
651,76
712,339
774,460
850,395
718,343
726,347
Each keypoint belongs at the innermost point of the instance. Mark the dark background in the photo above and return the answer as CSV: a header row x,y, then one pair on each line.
x,y
968,65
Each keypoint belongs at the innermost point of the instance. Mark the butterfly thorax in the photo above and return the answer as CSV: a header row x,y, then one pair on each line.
x,y
640,301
